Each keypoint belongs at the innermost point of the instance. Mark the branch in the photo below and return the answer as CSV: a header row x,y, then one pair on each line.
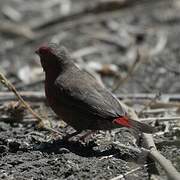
x,y
171,172
123,176
40,120
139,59
152,101
32,96
159,119
40,96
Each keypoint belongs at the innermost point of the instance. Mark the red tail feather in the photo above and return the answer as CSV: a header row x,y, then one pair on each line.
x,y
123,121
130,123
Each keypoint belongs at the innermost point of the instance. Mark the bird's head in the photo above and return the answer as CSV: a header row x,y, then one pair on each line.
x,y
53,56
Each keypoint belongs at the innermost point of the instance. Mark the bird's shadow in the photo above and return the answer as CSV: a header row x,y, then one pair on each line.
x,y
77,147
87,150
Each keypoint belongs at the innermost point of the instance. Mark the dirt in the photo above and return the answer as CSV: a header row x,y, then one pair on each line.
x,y
29,153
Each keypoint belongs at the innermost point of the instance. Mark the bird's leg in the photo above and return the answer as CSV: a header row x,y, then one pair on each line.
x,y
82,138
68,136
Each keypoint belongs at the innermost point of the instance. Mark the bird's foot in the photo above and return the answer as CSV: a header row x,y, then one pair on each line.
x,y
76,136
70,136
86,135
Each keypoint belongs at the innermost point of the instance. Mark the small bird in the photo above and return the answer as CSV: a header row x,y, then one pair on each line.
x,y
78,98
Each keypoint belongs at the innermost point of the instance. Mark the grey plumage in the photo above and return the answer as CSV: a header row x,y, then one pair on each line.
x,y
76,96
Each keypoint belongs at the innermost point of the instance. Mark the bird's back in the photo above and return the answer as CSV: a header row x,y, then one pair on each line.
x,y
84,92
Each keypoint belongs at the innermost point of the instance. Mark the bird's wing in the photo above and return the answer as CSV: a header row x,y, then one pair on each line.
x,y
84,93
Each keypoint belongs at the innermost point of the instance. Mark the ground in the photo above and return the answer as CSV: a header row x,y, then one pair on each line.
x,y
102,33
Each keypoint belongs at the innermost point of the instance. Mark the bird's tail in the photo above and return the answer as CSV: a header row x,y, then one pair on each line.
x,y
134,124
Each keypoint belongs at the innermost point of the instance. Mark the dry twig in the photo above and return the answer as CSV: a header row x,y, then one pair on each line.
x,y
40,120
132,69
150,147
123,176
32,96
159,119
17,30
171,172
40,96
170,97
149,103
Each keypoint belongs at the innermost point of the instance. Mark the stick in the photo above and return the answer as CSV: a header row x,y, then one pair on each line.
x,y
131,148
159,119
17,30
149,103
132,69
158,110
40,120
40,96
171,172
121,176
33,96
156,105
171,97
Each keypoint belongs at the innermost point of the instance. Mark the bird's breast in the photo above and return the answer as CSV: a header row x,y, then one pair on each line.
x,y
50,92
54,101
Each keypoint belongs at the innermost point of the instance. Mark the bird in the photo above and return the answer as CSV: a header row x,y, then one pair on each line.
x,y
78,98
